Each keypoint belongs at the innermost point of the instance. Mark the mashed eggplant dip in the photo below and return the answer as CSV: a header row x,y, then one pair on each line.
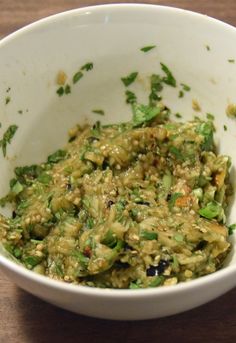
x,y
131,205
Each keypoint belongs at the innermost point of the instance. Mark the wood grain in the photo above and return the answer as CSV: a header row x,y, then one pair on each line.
x,y
26,319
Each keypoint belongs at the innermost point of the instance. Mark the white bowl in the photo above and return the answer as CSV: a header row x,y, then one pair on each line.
x,y
111,36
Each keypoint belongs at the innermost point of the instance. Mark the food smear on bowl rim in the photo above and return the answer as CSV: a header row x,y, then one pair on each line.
x,y
127,205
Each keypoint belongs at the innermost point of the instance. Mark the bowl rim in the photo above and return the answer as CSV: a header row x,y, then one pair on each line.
x,y
179,288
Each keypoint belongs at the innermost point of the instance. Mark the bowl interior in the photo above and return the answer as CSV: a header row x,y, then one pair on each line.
x,y
195,48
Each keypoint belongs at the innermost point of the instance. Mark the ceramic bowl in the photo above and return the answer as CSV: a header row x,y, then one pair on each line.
x,y
199,51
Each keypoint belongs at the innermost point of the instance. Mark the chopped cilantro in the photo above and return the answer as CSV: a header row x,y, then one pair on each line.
x,y
147,235
7,100
176,152
20,111
169,78
109,239
31,261
178,115
157,281
143,114
156,86
77,76
87,66
148,48
7,138
206,130
101,112
210,116
130,97
17,188
231,228
225,128
181,94
129,79
60,91
186,88
57,156
208,47
231,60
67,89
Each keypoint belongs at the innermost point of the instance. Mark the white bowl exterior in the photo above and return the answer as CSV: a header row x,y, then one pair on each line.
x,y
111,37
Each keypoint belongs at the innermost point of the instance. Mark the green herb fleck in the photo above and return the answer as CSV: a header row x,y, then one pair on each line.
x,y
20,111
156,86
100,112
225,128
7,138
87,66
129,79
130,97
186,88
134,285
169,78
7,100
148,48
67,89
231,60
57,156
77,76
206,130
143,114
147,235
181,94
208,47
176,152
109,239
210,116
17,188
231,228
60,91
31,261
157,281
178,115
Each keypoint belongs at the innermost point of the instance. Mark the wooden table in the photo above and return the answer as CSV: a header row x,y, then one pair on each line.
x,y
24,318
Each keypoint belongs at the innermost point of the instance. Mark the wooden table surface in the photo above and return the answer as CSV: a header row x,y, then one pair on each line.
x,y
24,318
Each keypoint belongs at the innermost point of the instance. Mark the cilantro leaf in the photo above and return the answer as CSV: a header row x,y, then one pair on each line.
x,y
206,130
156,86
231,228
148,235
148,48
129,79
169,78
60,91
57,156
77,76
87,66
186,88
130,97
143,114
7,138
